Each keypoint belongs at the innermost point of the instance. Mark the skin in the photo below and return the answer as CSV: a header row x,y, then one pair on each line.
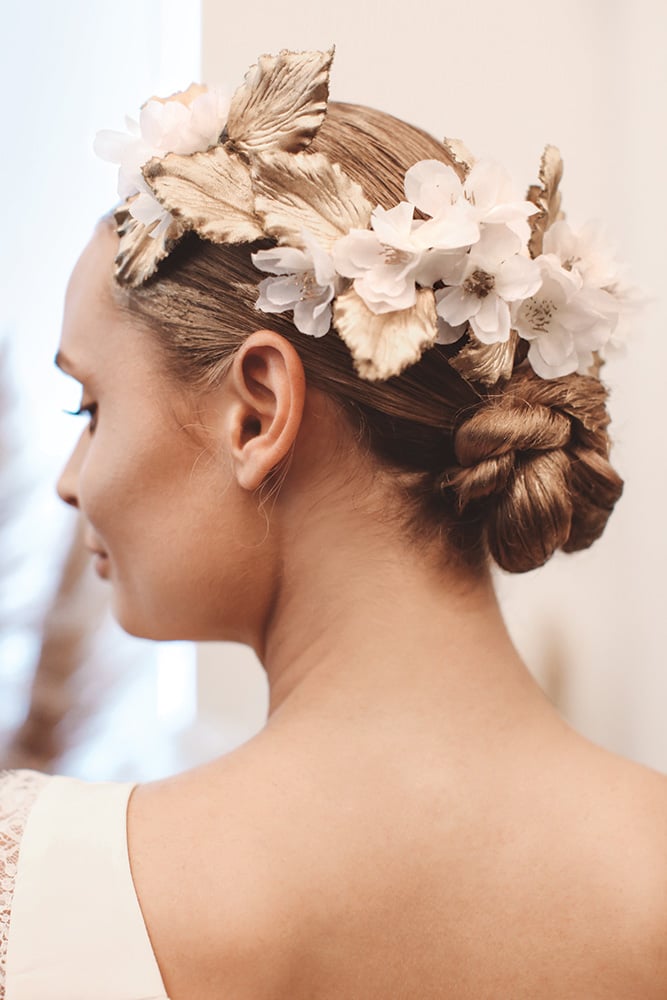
x,y
416,820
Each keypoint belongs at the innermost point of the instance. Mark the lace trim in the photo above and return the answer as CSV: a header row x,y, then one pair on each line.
x,y
18,791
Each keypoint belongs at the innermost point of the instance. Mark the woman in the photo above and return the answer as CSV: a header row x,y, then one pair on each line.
x,y
321,463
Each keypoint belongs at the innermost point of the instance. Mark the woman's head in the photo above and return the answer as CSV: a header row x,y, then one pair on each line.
x,y
536,478
473,452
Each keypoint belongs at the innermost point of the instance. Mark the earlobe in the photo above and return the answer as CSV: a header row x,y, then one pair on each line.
x,y
270,385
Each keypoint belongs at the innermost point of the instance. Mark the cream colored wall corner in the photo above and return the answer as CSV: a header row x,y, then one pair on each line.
x,y
591,78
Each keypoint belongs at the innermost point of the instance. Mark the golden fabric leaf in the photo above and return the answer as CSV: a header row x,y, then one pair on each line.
x,y
460,157
487,364
139,253
208,192
383,345
547,198
281,104
296,191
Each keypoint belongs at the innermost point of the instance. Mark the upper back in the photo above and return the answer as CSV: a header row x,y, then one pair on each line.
x,y
542,874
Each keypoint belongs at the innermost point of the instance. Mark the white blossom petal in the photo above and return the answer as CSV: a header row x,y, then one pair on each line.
x,y
394,225
281,260
162,125
448,266
312,318
132,126
565,363
489,188
517,278
496,244
586,252
322,262
277,295
560,241
491,323
357,253
432,186
111,145
383,293
455,305
449,231
489,184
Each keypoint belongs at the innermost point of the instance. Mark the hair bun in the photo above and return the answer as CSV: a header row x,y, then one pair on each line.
x,y
533,467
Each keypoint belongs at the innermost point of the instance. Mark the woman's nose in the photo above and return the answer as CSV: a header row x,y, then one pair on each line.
x,y
68,482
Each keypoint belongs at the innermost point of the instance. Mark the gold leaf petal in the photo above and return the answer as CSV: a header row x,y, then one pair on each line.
x,y
384,345
547,198
208,192
282,103
486,363
459,156
295,191
139,253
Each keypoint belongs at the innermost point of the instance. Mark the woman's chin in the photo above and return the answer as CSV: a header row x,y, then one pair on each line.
x,y
180,623
142,625
157,628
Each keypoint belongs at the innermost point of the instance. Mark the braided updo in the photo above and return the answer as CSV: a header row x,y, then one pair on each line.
x,y
532,468
515,469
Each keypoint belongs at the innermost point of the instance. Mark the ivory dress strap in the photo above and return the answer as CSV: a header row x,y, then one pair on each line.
x,y
77,931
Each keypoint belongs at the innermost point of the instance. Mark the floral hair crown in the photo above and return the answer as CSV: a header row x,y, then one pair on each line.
x,y
502,278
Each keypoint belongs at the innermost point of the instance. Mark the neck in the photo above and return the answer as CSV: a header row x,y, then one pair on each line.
x,y
362,623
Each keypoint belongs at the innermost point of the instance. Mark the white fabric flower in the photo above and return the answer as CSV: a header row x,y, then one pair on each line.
x,y
489,189
487,195
386,262
481,286
306,284
631,303
432,186
585,252
383,269
435,188
564,320
401,252
185,123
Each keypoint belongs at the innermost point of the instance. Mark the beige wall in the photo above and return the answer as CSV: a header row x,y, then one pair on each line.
x,y
591,77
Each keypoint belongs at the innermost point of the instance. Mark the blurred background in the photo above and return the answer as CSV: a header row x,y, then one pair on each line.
x,y
79,696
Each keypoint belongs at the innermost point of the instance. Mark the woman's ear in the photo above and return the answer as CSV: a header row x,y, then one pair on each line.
x,y
269,388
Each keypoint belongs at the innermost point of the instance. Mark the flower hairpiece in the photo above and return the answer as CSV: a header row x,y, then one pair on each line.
x,y
463,260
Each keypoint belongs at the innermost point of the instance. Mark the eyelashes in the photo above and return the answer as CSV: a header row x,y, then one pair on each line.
x,y
91,410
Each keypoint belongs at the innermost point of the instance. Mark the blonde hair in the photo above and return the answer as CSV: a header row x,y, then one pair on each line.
x,y
515,472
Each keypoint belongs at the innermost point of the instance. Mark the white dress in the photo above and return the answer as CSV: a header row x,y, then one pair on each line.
x,y
70,923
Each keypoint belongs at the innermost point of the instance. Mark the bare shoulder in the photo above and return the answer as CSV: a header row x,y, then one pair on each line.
x,y
627,813
206,866
650,862
638,794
